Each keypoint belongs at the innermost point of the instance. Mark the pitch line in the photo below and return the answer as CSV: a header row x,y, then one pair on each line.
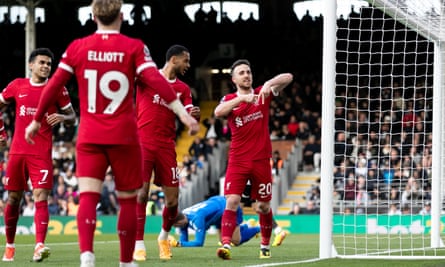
x,y
283,263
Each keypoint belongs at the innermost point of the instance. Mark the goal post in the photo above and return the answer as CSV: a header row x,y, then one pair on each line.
x,y
383,131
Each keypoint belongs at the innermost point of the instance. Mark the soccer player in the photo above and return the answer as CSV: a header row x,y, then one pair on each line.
x,y
32,162
106,65
202,215
157,132
247,112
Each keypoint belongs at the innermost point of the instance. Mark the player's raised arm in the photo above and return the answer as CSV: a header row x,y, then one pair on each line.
x,y
225,107
275,85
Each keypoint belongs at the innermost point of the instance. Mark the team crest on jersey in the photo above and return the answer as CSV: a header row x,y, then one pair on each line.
x,y
238,122
158,100
27,111
228,185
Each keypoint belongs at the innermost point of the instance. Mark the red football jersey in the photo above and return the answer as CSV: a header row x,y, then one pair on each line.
x,y
26,96
105,65
156,121
249,125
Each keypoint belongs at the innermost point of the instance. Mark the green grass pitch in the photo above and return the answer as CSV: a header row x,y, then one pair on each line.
x,y
296,250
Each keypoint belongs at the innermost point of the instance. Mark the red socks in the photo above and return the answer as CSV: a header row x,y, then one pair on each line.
x,y
11,218
141,218
41,219
266,223
168,217
228,225
86,220
125,228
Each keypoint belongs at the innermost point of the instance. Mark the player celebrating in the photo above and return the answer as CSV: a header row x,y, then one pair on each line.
x,y
33,162
157,131
202,215
247,112
106,65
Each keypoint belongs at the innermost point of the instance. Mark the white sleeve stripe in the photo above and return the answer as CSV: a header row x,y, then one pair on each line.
x,y
144,66
2,99
65,67
188,106
66,106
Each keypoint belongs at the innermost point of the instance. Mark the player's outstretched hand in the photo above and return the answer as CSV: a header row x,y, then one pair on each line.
x,y
55,118
195,112
31,130
190,122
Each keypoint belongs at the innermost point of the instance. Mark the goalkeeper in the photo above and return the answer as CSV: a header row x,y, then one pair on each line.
x,y
201,216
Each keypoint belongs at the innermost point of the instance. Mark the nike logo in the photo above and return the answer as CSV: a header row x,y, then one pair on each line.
x,y
21,96
42,182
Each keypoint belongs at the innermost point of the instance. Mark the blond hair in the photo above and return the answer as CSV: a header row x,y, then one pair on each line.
x,y
106,11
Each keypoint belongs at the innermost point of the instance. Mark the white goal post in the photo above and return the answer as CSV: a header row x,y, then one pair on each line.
x,y
383,131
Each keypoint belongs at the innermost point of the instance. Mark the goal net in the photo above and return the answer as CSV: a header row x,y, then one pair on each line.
x,y
382,131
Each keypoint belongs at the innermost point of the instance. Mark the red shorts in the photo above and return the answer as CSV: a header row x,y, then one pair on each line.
x,y
21,167
258,172
161,161
125,160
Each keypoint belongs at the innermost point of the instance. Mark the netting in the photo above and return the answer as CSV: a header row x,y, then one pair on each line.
x,y
383,141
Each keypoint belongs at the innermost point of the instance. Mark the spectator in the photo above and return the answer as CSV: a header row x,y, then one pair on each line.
x,y
53,207
138,13
311,155
296,209
426,210
72,205
406,210
200,15
394,210
30,209
303,132
225,131
109,197
342,147
285,135
70,179
210,145
293,125
311,208
213,126
276,163
314,194
197,148
350,188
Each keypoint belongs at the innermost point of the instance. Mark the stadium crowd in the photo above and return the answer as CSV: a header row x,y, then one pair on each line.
x,y
382,138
